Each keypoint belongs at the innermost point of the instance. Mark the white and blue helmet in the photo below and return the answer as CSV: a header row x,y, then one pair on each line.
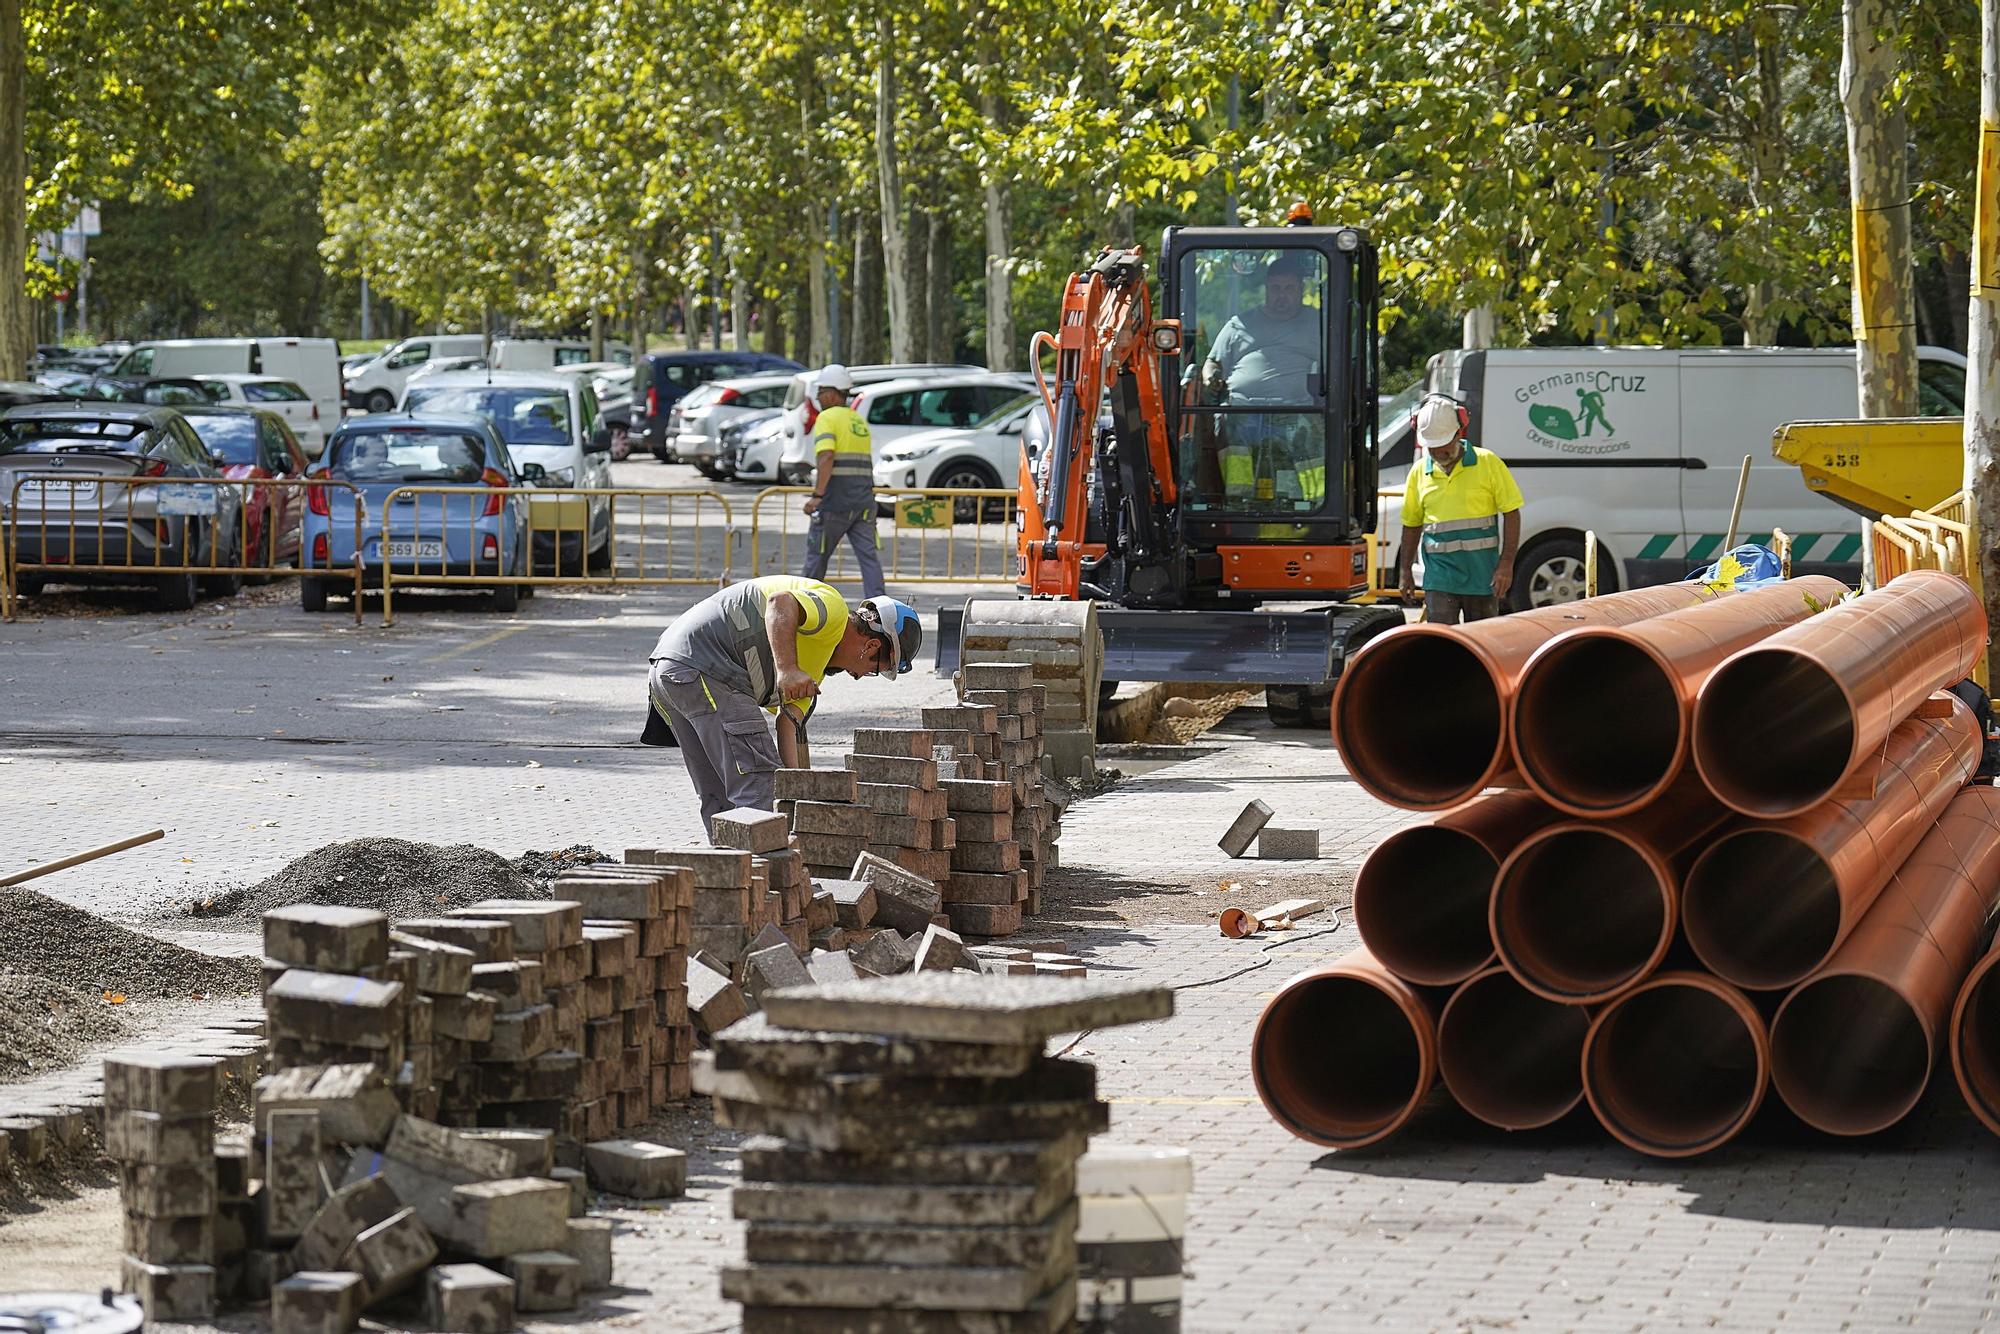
x,y
897,624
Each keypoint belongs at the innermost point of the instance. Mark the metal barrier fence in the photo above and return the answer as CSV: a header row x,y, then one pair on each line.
x,y
458,536
178,530
937,535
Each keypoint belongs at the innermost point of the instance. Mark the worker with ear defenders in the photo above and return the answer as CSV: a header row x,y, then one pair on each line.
x,y
1462,507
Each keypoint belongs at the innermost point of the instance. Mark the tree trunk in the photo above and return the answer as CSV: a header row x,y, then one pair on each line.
x,y
1885,333
774,326
999,250
1982,345
916,314
16,339
861,324
895,236
802,330
1767,168
1479,327
940,330
1126,227
596,335
739,298
821,351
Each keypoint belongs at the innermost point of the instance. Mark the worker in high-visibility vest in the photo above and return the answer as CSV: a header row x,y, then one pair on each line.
x,y
1462,508
843,499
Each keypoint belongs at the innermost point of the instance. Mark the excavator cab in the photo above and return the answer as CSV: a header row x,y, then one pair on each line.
x,y
1271,408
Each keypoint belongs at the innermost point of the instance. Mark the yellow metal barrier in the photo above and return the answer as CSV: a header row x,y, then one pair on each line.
x,y
56,524
656,535
960,535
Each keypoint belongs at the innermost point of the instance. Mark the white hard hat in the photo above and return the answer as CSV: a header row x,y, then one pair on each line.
x,y
1439,420
836,377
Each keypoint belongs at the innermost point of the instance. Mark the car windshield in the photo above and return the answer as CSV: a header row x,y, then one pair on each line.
x,y
233,437
1006,410
522,416
273,391
407,454
56,435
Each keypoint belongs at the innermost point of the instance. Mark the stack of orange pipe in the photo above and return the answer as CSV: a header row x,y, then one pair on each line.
x,y
1746,860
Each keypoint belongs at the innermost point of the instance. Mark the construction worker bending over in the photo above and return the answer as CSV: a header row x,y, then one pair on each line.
x,y
843,499
1462,504
764,644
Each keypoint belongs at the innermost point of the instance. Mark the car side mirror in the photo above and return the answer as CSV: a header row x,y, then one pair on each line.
x,y
217,457
600,440
533,473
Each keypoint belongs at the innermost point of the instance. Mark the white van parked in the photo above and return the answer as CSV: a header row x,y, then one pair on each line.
x,y
1643,445
377,385
544,354
311,363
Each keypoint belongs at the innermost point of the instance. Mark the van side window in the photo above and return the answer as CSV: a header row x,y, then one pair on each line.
x,y
410,356
1940,389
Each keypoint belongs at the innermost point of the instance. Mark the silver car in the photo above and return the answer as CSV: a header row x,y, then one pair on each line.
x,y
695,424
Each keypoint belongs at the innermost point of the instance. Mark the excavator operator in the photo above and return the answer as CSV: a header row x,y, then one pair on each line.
x,y
1270,354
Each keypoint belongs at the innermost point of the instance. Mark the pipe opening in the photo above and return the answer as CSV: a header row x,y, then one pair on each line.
x,y
1773,734
1512,1058
1598,768
1673,1068
1337,1061
1420,719
1420,903
1978,1041
1849,1055
1580,914
1761,908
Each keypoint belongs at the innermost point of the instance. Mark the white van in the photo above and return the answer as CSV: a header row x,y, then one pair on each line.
x,y
1643,445
377,385
545,354
311,363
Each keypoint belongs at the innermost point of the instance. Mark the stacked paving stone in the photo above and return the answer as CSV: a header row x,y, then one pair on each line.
x,y
914,1159
1031,820
908,822
730,896
159,1127
638,921
780,881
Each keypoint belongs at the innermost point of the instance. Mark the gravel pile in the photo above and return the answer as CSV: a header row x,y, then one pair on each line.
x,y
391,875
46,938
45,1026
544,867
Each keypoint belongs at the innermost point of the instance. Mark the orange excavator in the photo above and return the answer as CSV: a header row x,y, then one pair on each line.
x,y
1235,465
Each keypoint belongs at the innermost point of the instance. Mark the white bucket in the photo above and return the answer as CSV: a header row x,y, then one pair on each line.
x,y
1131,1232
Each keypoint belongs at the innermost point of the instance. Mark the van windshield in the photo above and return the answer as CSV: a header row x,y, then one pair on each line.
x,y
522,416
414,455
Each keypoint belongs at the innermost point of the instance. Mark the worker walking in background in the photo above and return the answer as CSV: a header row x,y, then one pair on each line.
x,y
764,644
843,500
1462,505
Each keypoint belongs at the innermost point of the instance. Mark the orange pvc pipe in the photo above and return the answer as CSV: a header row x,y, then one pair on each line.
x,y
1975,1013
1677,1065
1767,904
1511,1058
1583,910
1645,677
1343,1055
1421,897
1853,1047
1784,724
1420,715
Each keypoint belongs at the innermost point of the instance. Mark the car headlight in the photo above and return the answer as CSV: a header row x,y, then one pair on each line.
x,y
908,452
559,477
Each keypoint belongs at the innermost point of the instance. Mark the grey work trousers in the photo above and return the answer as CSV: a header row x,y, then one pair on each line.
x,y
858,527
1446,608
731,755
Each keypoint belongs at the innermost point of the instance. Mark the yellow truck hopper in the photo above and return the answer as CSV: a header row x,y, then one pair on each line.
x,y
1890,465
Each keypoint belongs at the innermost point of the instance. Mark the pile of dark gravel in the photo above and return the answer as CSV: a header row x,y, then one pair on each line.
x,y
45,1026
41,937
544,867
391,875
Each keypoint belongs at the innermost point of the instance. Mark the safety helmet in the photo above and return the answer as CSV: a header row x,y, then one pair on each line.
x,y
836,377
1440,420
897,624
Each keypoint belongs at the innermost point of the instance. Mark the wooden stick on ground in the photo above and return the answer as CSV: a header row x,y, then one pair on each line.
x,y
77,860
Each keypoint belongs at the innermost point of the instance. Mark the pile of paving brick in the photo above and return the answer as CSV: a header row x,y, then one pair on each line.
x,y
346,1196
915,1152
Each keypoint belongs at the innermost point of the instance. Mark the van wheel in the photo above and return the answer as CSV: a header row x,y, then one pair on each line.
x,y
381,400
1550,572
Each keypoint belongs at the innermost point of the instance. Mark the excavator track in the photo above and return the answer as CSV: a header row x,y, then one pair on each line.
x,y
1306,705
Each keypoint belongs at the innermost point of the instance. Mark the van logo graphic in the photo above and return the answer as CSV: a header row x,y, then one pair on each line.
x,y
1587,426
1566,425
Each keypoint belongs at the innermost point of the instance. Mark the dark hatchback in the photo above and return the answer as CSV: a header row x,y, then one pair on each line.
x,y
661,378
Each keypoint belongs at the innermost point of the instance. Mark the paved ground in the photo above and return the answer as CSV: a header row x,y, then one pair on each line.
x,y
256,733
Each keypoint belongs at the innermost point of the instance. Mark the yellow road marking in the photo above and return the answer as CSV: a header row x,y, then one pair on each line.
x,y
470,645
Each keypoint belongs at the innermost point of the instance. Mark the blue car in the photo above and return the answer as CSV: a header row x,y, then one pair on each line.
x,y
430,534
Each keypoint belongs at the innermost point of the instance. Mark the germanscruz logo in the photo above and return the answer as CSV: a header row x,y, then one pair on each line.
x,y
1588,425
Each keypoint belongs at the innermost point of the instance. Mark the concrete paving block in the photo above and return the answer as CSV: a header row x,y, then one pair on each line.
x,y
353,1102
815,785
552,1075
963,717
334,1008
960,1007
318,1302
262,1270
939,951
540,925
467,1018
904,831
1243,830
544,1280
490,939
831,966
996,676
292,1187
170,1292
905,741
533,1152
886,953
714,1000
749,830
447,1154
920,772
28,1136
514,985
830,849
758,1044
167,1190
468,1298
578,1184
1001,888
440,969
903,899
188,1240
822,913
614,947
636,1169
963,794
845,820
867,1286
1288,844
129,1137
624,897
986,919
327,939
391,1255
713,868
521,1035
347,1213
891,799
589,1244
768,970
492,1219
1043,1247
169,1083
987,858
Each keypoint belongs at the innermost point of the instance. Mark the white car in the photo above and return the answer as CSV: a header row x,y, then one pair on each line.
x,y
547,419
375,386
439,365
800,410
284,397
986,454
313,364
695,424
760,446
542,354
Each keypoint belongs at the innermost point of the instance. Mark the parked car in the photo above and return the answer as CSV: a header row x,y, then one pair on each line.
x,y
802,410
249,443
986,454
13,393
72,381
543,354
694,425
613,382
82,521
161,391
284,397
753,444
377,385
438,365
661,379
428,535
354,361
311,363
549,419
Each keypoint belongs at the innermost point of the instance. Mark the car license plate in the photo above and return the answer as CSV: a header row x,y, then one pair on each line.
x,y
414,550
62,493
